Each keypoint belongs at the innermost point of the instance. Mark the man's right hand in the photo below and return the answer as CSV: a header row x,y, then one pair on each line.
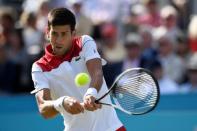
x,y
72,106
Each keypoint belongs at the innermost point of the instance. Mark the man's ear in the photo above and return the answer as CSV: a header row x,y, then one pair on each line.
x,y
47,31
73,33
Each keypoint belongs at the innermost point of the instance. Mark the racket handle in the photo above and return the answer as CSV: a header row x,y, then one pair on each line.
x,y
97,102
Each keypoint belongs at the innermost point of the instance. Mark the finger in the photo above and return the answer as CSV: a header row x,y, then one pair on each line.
x,y
79,111
85,102
98,106
95,106
89,102
92,101
92,107
72,111
88,107
75,110
80,107
76,107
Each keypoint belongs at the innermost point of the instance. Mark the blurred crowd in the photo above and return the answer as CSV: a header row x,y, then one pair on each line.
x,y
160,36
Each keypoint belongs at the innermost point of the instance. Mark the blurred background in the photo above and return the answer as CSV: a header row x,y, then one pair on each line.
x,y
154,34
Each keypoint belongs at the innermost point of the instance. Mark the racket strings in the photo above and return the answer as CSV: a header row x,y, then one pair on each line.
x,y
145,79
142,101
133,92
136,92
146,84
133,107
136,100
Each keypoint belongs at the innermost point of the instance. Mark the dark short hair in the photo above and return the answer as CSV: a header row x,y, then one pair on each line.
x,y
61,16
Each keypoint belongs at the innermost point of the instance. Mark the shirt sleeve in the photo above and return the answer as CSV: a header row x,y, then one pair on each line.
x,y
89,48
39,79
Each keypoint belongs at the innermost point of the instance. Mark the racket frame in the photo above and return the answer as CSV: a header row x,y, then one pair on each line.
x,y
115,84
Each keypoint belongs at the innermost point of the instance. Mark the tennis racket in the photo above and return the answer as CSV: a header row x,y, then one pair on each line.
x,y
135,92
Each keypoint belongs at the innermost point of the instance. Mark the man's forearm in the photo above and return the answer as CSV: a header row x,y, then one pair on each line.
x,y
94,67
96,80
47,109
45,104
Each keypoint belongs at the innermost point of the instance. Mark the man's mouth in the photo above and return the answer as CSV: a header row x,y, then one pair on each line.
x,y
58,47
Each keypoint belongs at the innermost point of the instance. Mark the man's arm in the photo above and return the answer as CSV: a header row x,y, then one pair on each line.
x,y
46,104
94,67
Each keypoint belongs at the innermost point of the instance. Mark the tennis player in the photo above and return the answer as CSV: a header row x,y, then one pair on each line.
x,y
53,74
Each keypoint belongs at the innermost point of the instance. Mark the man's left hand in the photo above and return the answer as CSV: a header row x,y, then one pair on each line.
x,y
89,103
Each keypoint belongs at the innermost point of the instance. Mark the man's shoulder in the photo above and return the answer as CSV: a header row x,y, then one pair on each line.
x,y
81,40
86,38
36,67
40,65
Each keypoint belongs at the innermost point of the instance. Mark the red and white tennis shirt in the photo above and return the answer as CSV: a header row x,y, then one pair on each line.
x,y
58,73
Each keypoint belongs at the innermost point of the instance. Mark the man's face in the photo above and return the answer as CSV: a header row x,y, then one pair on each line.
x,y
60,37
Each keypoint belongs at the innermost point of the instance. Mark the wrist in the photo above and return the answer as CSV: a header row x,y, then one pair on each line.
x,y
58,104
91,91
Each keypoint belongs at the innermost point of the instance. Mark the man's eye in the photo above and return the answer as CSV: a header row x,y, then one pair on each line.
x,y
54,33
63,33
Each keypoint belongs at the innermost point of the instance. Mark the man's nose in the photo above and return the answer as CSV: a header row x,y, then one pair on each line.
x,y
59,40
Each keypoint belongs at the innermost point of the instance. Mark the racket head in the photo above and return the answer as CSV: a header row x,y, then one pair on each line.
x,y
136,90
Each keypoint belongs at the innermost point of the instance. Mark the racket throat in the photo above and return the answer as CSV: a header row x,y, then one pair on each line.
x,y
116,106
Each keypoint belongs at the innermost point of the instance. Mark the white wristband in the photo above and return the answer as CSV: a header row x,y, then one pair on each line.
x,y
58,104
91,91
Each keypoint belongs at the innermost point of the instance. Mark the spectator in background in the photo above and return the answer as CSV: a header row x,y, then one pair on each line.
x,y
148,45
41,14
191,85
8,24
192,32
2,37
133,46
167,85
183,51
169,20
133,59
183,13
41,9
152,17
130,23
100,11
33,38
112,50
15,51
9,71
84,24
172,64
31,5
182,48
17,54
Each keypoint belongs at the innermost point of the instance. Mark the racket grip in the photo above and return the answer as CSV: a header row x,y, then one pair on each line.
x,y
96,101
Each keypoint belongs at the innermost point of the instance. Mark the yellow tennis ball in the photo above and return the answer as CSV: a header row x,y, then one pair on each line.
x,y
82,79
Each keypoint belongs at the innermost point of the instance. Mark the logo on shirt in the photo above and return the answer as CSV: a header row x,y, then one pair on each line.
x,y
77,58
